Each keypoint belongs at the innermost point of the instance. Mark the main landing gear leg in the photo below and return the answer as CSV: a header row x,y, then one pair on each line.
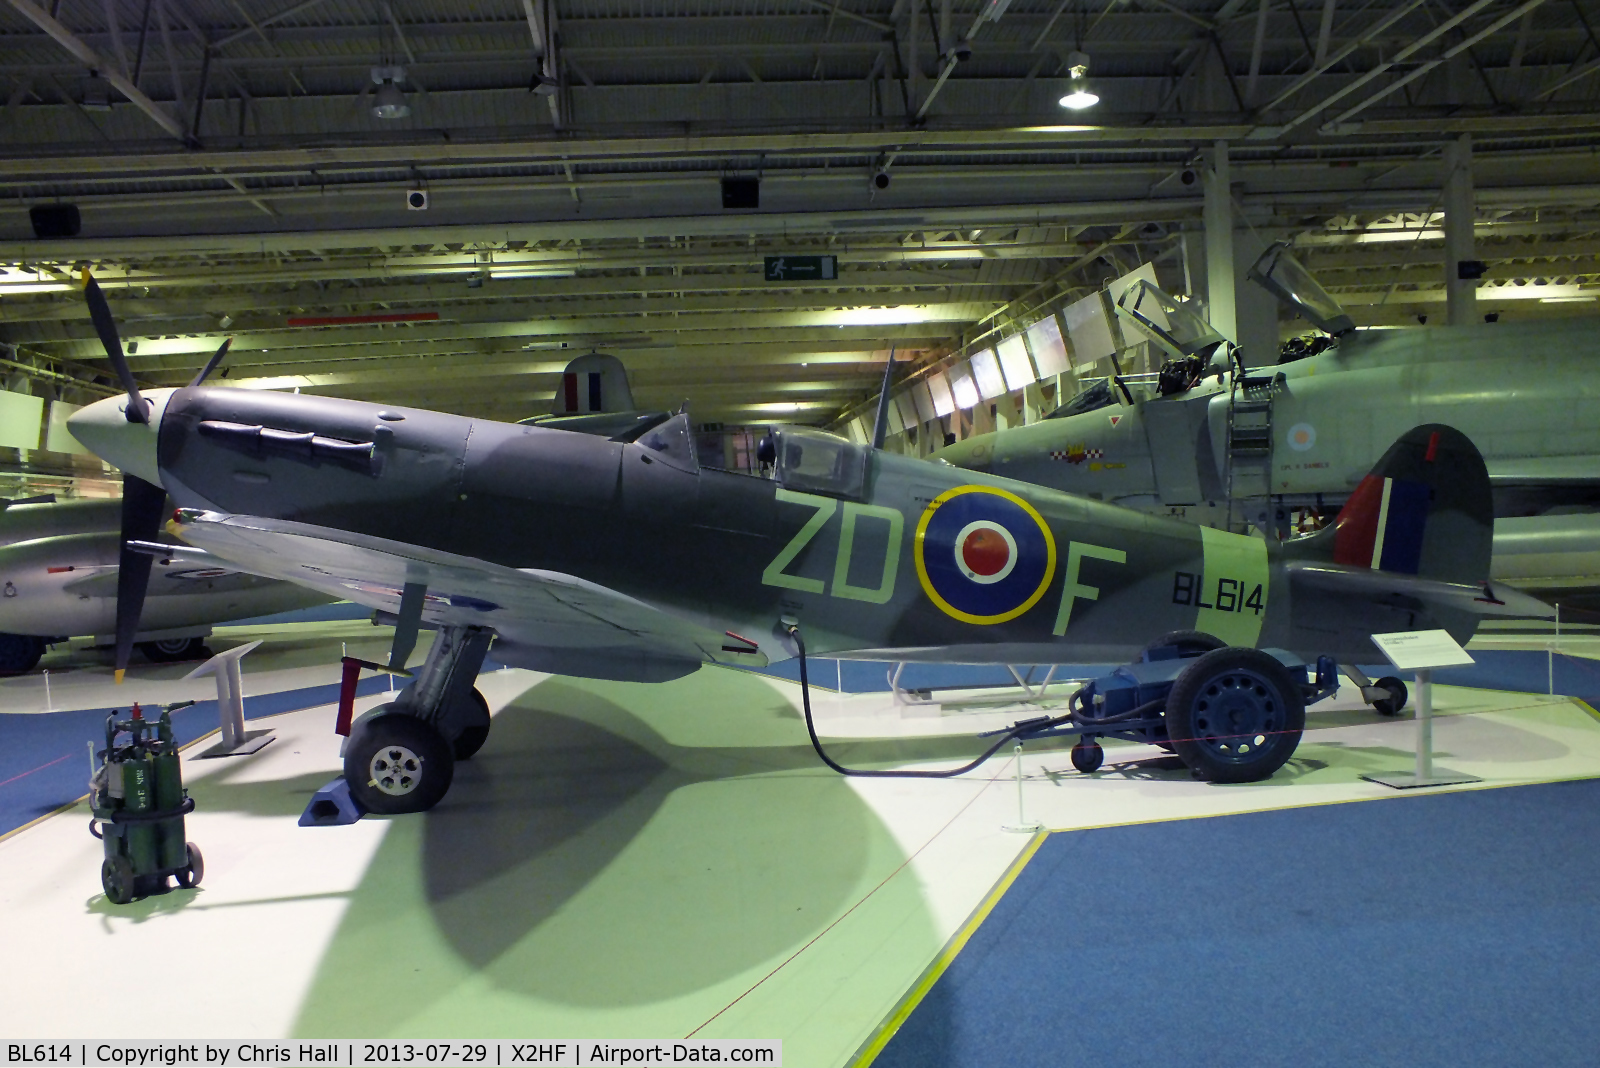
x,y
401,756
1387,696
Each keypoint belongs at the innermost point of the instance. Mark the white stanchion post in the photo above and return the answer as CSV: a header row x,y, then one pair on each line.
x,y
49,706
1424,724
1022,826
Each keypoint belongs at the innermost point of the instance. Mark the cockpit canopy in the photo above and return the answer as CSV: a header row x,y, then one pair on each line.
x,y
1279,273
1171,323
815,461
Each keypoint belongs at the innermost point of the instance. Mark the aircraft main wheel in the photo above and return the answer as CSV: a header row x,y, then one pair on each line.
x,y
117,879
472,737
1088,756
19,653
193,870
1391,705
397,763
1235,715
174,650
1188,642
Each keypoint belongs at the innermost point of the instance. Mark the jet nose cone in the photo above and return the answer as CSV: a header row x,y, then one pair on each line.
x,y
103,429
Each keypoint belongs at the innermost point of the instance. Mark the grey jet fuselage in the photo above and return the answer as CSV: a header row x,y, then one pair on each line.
x,y
1527,394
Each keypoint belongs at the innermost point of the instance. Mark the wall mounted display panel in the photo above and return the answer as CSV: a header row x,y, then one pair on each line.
x,y
1049,347
1014,362
962,387
905,408
923,399
986,372
21,418
943,401
1089,329
56,436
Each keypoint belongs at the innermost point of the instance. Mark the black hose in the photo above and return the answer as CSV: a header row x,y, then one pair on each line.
x,y
805,698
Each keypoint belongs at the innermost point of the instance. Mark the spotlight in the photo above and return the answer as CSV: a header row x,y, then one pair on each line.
x,y
389,102
1079,95
543,85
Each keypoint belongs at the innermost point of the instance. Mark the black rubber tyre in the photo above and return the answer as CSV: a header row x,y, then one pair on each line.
x,y
1189,643
472,737
118,881
1398,694
19,653
174,650
1235,715
1088,756
193,870
397,763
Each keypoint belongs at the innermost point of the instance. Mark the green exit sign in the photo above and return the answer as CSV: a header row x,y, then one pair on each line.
x,y
802,268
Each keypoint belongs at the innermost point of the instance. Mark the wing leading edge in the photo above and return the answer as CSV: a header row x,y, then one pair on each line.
x,y
555,619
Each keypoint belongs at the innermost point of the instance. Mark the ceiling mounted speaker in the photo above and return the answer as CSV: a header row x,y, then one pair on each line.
x,y
417,199
741,192
55,220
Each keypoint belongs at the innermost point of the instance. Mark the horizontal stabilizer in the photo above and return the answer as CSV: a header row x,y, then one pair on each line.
x,y
1484,599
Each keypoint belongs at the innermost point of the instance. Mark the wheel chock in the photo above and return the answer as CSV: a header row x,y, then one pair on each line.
x,y
332,806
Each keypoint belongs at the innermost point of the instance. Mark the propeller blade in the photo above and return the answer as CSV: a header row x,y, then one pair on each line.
x,y
106,326
211,364
142,507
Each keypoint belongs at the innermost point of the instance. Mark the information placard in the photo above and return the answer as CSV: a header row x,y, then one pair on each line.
x,y
1421,650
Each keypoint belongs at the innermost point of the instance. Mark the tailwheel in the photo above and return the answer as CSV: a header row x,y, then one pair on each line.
x,y
1391,705
396,763
1235,715
1087,756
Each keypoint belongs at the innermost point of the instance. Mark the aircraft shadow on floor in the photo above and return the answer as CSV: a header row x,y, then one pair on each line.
x,y
583,859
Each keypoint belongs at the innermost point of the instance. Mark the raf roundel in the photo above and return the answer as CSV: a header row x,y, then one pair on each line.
x,y
984,555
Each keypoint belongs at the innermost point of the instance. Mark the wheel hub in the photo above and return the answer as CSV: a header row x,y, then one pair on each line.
x,y
1236,714
396,770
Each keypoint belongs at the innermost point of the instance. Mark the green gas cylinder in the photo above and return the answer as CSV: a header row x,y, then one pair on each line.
x,y
138,796
172,846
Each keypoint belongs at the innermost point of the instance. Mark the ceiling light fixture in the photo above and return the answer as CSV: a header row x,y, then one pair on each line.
x,y
389,102
1079,95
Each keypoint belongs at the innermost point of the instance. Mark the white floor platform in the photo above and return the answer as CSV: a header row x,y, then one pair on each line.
x,y
623,861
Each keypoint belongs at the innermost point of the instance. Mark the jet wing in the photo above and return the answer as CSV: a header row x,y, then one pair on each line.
x,y
1545,471
1387,587
544,609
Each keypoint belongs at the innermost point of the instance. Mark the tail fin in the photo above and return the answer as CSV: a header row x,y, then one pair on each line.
x,y
1424,510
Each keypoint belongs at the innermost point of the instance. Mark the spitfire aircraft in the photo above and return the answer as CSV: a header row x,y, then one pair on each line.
x,y
631,560
59,576
1223,445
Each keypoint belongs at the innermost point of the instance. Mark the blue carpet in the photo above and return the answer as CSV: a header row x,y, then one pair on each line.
x,y
44,758
1453,929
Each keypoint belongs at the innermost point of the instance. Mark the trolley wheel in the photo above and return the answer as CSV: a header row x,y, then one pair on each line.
x,y
193,870
1235,715
1088,756
397,763
472,737
118,880
1188,642
1391,705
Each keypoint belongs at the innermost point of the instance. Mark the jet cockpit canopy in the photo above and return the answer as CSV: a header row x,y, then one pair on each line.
x,y
1279,273
1171,323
